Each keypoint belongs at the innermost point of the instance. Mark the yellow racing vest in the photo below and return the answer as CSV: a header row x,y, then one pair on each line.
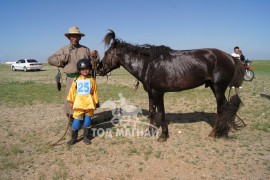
x,y
83,93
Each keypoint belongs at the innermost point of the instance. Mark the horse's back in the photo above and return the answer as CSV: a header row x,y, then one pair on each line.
x,y
186,69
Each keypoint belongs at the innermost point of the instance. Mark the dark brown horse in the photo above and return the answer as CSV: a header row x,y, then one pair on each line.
x,y
161,69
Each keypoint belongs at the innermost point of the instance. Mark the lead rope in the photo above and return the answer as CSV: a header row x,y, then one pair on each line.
x,y
68,125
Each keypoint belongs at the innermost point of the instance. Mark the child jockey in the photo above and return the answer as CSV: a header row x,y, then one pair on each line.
x,y
83,98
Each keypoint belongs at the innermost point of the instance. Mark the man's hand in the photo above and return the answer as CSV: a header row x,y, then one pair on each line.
x,y
71,106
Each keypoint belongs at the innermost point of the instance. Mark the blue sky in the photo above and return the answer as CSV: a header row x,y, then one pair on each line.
x,y
35,28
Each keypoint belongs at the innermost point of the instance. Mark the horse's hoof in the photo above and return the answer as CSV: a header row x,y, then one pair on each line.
x,y
212,135
163,138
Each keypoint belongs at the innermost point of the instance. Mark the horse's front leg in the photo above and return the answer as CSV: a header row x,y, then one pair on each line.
x,y
161,116
152,112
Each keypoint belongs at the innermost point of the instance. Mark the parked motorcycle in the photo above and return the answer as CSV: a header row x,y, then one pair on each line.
x,y
249,74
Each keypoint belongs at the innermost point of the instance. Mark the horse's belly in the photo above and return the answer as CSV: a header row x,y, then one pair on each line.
x,y
184,85
178,83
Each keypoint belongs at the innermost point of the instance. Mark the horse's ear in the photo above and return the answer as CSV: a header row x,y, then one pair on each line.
x,y
114,43
108,37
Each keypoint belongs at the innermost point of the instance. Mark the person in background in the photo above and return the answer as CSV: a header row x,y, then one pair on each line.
x,y
83,98
236,52
239,55
242,57
67,58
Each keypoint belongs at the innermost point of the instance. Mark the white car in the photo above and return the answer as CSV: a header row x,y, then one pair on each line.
x,y
26,64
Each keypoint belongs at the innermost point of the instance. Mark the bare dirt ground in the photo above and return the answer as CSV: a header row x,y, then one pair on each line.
x,y
189,153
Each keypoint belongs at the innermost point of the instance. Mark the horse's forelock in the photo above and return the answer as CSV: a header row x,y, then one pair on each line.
x,y
108,37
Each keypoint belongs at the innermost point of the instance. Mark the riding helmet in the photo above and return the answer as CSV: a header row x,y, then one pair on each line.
x,y
83,63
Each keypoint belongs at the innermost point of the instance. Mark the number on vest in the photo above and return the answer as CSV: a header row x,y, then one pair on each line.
x,y
84,87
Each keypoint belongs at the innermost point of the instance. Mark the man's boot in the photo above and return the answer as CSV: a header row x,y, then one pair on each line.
x,y
74,135
86,135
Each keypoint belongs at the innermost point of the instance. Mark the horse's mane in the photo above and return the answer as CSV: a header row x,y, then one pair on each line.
x,y
145,50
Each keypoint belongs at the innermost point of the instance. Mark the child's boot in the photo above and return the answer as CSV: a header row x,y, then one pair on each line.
x,y
74,135
86,135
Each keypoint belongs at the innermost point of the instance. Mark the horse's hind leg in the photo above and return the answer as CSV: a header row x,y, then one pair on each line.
x,y
219,92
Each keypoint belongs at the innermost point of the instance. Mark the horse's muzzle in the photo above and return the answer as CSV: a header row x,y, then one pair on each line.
x,y
99,68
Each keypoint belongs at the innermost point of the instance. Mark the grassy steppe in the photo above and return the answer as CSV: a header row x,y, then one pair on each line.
x,y
32,116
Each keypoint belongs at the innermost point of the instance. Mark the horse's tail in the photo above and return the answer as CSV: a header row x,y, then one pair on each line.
x,y
239,73
227,119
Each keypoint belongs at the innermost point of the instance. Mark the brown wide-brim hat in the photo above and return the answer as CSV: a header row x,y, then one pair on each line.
x,y
74,30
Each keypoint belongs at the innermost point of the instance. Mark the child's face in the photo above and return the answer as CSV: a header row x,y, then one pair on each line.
x,y
85,72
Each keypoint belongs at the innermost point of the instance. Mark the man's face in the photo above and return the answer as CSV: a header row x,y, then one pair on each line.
x,y
237,51
74,39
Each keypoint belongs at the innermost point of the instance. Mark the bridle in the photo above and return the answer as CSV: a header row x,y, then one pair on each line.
x,y
109,64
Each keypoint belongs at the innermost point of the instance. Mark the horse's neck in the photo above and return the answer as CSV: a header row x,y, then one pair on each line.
x,y
133,65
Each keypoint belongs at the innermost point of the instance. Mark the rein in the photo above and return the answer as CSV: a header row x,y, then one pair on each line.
x,y
68,125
